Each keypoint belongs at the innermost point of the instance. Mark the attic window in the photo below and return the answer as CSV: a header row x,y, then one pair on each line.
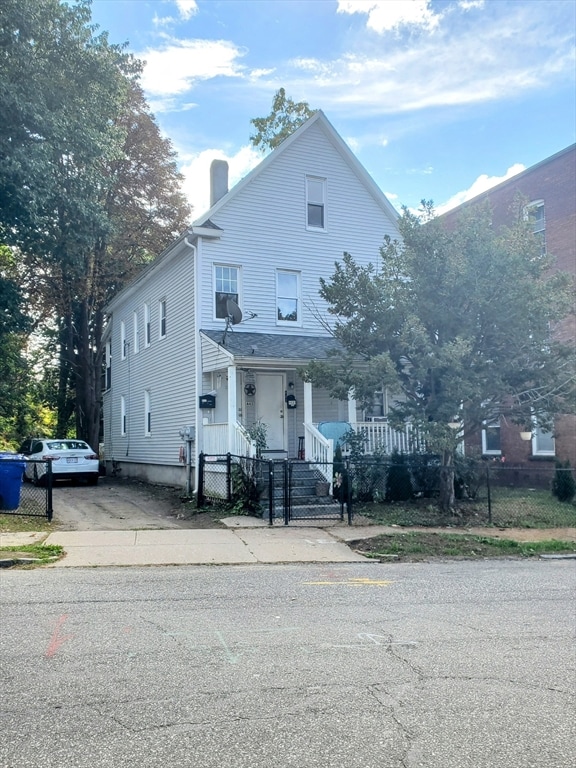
x,y
315,203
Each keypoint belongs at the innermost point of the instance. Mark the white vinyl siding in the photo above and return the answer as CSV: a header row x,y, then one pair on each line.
x,y
264,231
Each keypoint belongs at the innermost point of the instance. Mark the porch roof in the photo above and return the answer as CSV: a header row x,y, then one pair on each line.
x,y
275,346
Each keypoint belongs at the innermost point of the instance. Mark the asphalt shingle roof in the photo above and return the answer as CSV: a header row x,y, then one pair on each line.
x,y
275,346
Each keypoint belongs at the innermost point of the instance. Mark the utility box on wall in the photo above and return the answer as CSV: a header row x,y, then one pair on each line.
x,y
207,401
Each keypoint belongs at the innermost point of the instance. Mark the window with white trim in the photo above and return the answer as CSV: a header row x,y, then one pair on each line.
x,y
135,330
123,343
288,297
147,326
123,430
543,443
315,203
108,359
226,288
535,213
147,413
162,318
491,445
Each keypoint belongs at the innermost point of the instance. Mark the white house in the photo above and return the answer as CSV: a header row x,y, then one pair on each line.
x,y
210,336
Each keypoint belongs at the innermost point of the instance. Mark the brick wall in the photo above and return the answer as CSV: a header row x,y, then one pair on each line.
x,y
554,182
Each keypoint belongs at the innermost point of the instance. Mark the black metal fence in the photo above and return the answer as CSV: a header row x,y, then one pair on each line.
x,y
25,487
403,491
275,489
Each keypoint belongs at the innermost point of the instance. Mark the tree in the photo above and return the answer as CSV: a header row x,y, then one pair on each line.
x,y
90,189
286,116
459,323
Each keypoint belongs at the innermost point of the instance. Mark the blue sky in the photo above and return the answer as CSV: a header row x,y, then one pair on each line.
x,y
439,100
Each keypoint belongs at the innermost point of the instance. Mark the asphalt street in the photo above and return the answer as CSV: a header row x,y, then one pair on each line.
x,y
444,665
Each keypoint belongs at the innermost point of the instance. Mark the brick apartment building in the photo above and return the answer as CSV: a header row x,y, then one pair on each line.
x,y
549,187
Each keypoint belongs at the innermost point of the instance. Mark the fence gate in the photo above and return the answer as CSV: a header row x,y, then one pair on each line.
x,y
287,490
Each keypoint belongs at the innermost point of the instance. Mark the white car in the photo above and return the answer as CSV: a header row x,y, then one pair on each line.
x,y
70,459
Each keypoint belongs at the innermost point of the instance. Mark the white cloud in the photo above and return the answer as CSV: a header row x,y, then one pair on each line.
x,y
187,8
481,184
391,15
179,64
196,171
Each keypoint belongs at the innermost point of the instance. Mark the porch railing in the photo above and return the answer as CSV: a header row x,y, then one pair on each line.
x,y
319,449
381,437
216,440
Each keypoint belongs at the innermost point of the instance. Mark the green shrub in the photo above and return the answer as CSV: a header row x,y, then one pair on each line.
x,y
563,483
398,479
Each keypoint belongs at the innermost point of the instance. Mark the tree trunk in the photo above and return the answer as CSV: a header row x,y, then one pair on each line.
x,y
447,498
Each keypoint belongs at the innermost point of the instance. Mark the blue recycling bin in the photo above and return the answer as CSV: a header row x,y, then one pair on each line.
x,y
11,471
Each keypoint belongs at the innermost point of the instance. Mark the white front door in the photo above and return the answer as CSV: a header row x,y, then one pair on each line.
x,y
269,400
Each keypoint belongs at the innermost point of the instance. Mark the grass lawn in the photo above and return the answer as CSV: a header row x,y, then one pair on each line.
x,y
42,553
24,523
511,508
416,545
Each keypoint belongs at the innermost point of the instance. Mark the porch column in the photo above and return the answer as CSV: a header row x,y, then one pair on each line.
x,y
307,402
351,407
232,406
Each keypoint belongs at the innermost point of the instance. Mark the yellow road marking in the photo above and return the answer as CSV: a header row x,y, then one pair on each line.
x,y
350,583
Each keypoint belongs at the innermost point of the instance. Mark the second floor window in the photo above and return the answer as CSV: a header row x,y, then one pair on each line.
x,y
108,358
136,337
288,296
225,289
147,326
123,343
162,318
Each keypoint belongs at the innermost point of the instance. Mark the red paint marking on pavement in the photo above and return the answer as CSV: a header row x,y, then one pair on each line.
x,y
57,640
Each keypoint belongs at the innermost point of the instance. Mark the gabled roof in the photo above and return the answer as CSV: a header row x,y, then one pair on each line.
x,y
319,118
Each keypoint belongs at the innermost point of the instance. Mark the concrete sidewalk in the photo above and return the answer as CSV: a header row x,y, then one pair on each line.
x,y
245,540
232,546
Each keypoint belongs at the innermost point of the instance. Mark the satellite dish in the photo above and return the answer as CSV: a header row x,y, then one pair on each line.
x,y
233,311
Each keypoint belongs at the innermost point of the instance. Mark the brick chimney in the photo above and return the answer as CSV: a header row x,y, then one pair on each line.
x,y
218,180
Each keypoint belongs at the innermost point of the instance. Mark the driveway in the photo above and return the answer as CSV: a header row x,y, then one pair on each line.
x,y
119,504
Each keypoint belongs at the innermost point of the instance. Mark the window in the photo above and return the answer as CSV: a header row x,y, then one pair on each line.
x,y
147,327
123,343
491,438
162,318
288,297
136,339
123,415
147,414
225,288
315,203
534,212
542,442
108,359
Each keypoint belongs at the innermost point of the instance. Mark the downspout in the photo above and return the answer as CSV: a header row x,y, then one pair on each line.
x,y
198,356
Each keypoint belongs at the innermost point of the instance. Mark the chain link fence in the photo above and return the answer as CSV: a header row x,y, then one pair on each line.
x,y
25,487
401,490
406,492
